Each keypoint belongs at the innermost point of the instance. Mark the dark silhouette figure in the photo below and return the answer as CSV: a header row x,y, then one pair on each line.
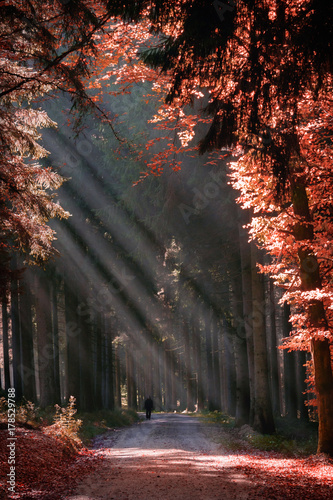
x,y
148,407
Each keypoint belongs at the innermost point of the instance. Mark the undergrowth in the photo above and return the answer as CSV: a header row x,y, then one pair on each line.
x,y
73,429
293,437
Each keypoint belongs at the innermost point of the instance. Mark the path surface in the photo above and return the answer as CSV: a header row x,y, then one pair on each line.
x,y
167,457
176,457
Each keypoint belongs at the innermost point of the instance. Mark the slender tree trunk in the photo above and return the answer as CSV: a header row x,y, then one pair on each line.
x,y
73,334
28,364
188,368
130,375
263,416
240,350
209,362
56,348
110,365
46,349
16,340
246,267
87,391
230,371
301,386
117,375
200,384
157,371
289,369
98,382
167,377
216,365
5,340
274,370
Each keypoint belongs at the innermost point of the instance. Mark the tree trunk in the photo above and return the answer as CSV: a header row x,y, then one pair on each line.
x,y
289,369
274,370
55,330
200,384
320,348
117,375
263,415
5,340
301,386
209,362
73,334
216,365
109,368
188,368
245,255
45,341
240,350
28,364
16,340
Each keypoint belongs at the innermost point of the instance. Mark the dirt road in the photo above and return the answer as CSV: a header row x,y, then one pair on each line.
x,y
176,457
167,457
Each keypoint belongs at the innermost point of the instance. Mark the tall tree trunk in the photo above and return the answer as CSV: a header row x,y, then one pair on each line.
x,y
98,328
240,350
209,363
301,386
216,364
274,369
5,340
198,363
320,348
56,348
246,266
73,334
87,390
16,340
289,369
45,341
188,368
130,375
117,375
28,363
110,365
263,415
167,376
230,370
157,371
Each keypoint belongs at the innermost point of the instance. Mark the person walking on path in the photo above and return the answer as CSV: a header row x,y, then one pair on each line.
x,y
148,407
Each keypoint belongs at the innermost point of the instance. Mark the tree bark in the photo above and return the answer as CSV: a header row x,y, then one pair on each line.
x,y
5,340
28,364
188,368
73,334
245,256
320,348
263,415
46,349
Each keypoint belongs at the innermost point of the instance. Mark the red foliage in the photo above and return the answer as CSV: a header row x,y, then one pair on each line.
x,y
44,467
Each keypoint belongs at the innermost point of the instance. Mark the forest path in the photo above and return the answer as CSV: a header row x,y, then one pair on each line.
x,y
170,456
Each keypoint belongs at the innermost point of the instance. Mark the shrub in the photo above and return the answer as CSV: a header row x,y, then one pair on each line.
x,y
66,427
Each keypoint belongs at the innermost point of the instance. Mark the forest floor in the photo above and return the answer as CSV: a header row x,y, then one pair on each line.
x,y
172,457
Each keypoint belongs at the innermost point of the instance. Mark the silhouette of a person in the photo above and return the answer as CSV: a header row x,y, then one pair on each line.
x,y
148,407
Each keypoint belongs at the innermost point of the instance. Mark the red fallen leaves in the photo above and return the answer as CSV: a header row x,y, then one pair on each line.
x,y
44,468
280,479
